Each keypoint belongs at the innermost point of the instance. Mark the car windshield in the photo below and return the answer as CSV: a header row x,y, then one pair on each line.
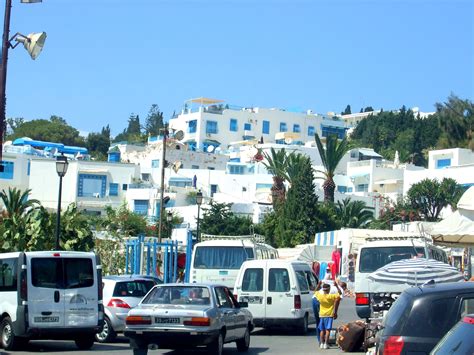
x,y
218,257
136,288
178,295
372,259
458,340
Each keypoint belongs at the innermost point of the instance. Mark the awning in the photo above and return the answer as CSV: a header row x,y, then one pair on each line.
x,y
285,135
245,142
180,179
369,152
36,144
205,101
388,182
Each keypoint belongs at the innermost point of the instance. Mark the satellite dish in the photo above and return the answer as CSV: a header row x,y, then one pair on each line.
x,y
33,43
288,140
218,149
210,148
176,166
179,135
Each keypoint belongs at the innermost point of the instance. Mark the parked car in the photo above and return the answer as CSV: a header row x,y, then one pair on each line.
x,y
121,293
459,339
50,295
176,316
421,316
278,292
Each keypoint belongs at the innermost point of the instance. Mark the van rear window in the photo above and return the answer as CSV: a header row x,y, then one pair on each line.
x,y
62,273
278,280
253,280
372,259
8,272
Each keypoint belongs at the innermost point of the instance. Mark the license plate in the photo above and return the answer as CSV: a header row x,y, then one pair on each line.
x,y
167,320
46,319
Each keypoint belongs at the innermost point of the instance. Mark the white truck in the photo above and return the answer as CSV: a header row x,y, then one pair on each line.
x,y
377,252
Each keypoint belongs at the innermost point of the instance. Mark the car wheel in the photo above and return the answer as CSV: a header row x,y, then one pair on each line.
x,y
244,343
8,339
304,325
107,334
85,342
217,346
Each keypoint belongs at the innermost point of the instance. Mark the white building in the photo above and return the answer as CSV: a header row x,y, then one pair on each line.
x,y
213,123
456,163
91,185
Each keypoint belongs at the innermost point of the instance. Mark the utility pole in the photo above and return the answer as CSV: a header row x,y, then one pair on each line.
x,y
162,186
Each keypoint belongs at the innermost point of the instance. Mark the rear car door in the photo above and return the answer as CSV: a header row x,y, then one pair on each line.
x,y
80,291
45,292
306,299
228,312
278,298
253,292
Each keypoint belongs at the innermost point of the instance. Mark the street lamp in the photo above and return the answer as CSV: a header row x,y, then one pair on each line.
x,y
61,169
33,43
198,202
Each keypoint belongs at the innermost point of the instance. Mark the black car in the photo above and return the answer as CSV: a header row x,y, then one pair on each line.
x,y
459,340
421,316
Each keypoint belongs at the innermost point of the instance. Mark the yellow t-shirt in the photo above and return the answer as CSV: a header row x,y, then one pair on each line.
x,y
326,303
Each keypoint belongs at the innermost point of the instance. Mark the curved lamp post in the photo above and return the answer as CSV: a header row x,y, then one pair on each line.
x,y
199,203
33,43
61,169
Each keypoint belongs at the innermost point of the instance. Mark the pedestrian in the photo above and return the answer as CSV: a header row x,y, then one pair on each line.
x,y
328,306
316,316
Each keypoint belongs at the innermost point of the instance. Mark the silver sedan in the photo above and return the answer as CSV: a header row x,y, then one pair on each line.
x,y
174,316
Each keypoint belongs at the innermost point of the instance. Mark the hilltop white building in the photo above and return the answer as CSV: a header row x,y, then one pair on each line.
x,y
209,122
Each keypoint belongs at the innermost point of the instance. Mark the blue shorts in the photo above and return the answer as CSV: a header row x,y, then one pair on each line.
x,y
325,323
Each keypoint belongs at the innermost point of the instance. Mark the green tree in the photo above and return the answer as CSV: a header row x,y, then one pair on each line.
x,y
132,133
298,217
55,129
154,121
429,197
98,143
331,155
456,120
76,233
353,214
347,110
16,202
276,163
218,219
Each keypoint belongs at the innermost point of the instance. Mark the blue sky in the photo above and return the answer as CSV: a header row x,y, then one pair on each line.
x,y
105,59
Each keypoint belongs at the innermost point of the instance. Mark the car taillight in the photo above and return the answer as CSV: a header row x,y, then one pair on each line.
x,y
115,302
137,320
362,299
297,302
198,321
468,319
393,345
236,298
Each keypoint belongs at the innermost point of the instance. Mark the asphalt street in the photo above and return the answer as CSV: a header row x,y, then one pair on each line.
x,y
263,341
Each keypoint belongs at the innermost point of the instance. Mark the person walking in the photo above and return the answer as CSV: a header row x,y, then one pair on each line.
x,y
328,306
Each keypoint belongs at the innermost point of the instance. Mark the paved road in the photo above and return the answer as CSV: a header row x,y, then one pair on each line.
x,y
262,342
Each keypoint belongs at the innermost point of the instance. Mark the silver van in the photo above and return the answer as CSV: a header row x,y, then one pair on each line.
x,y
50,295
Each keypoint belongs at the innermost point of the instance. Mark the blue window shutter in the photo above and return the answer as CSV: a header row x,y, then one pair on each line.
x,y
266,127
113,189
8,168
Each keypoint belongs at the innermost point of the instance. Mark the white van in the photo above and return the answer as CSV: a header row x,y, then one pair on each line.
x,y
278,292
50,295
378,252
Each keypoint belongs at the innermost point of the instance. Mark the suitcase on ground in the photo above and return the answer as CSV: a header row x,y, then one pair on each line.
x,y
351,336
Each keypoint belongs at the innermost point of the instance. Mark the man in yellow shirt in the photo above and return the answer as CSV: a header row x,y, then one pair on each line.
x,y
328,305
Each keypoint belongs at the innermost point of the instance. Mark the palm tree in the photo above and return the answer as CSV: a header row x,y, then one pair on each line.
x,y
16,202
353,214
330,157
295,164
276,163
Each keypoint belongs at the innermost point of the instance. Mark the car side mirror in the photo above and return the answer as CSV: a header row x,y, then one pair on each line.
x,y
243,304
